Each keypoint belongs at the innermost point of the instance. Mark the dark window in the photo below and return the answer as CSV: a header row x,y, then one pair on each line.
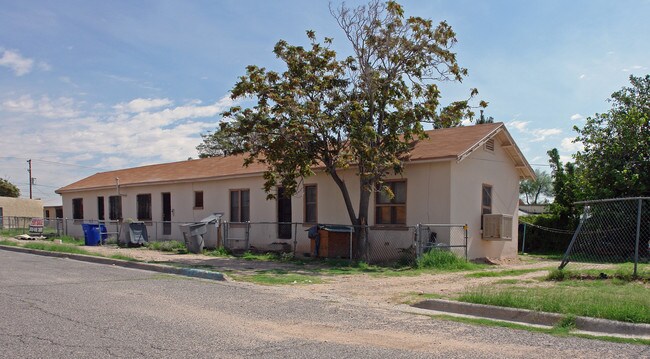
x,y
47,213
59,212
240,205
198,199
100,208
391,210
77,208
311,214
486,201
115,208
144,206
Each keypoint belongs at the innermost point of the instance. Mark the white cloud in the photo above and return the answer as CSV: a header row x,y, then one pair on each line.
x,y
99,138
63,107
568,145
13,60
577,117
519,125
540,134
142,104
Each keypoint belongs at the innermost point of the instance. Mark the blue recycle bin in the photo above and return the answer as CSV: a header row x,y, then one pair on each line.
x,y
92,236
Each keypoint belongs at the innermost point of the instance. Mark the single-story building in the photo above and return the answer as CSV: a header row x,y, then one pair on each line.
x,y
53,212
454,176
16,212
20,207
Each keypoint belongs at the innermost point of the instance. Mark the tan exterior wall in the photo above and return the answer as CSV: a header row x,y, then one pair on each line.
x,y
437,193
468,176
21,207
51,210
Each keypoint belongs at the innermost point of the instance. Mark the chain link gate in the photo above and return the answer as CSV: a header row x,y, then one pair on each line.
x,y
447,237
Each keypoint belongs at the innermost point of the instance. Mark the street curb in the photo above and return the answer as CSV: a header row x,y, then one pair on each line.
x,y
188,272
532,317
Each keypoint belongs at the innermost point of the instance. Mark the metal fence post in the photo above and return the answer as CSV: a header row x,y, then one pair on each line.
x,y
465,230
417,241
295,238
638,235
523,242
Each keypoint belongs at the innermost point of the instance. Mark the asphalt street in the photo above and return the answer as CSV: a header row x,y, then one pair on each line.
x,y
61,308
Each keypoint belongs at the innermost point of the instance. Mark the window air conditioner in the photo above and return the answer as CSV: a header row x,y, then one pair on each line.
x,y
497,227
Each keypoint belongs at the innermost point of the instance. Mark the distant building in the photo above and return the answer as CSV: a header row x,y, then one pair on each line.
x,y
52,212
19,207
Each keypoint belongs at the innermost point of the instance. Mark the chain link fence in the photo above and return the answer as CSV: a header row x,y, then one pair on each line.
x,y
373,245
611,231
13,226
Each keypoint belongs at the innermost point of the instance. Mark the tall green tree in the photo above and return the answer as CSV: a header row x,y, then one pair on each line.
x,y
8,189
532,189
362,112
565,188
615,161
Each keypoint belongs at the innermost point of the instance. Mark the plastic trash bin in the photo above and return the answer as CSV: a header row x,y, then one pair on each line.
x,y
193,235
137,234
94,234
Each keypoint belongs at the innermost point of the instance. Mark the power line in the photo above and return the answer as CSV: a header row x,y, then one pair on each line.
x,y
53,162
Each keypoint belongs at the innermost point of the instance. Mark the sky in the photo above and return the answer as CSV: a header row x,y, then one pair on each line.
x,y
93,86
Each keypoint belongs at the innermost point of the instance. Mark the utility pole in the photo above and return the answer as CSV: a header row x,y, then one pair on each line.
x,y
30,177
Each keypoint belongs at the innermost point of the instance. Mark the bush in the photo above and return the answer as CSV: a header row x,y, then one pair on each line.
x,y
168,246
444,260
542,241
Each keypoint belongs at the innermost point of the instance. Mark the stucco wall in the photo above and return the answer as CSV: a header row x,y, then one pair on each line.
x,y
437,193
21,207
491,168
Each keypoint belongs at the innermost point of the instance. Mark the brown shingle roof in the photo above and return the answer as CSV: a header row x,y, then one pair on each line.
x,y
449,143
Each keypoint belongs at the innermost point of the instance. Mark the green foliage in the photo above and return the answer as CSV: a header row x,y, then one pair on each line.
x,y
558,275
8,189
5,242
68,240
52,247
543,241
363,111
168,246
444,260
627,302
533,188
566,189
615,161
278,277
504,273
218,252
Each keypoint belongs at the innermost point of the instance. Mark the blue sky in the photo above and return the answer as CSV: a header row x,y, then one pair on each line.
x,y
91,86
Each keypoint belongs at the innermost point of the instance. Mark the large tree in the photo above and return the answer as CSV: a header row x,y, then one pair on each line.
x,y
532,189
615,161
8,189
566,189
362,112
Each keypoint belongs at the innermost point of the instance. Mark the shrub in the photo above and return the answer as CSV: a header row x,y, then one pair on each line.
x,y
444,260
168,246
